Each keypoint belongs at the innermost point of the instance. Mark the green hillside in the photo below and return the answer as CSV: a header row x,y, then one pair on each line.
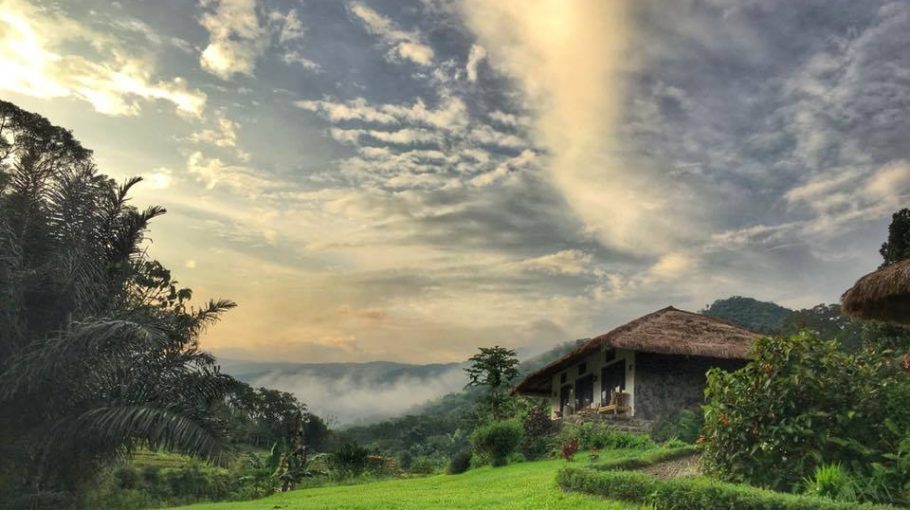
x,y
761,316
529,485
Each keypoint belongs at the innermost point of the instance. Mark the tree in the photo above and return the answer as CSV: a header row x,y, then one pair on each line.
x,y
897,247
829,323
99,346
493,368
760,316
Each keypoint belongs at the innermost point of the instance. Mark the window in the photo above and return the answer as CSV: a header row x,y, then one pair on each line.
x,y
562,377
610,355
582,368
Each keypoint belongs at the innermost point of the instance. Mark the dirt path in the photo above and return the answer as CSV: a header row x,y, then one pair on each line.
x,y
676,468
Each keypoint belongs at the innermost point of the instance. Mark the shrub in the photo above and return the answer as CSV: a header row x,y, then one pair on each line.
x,y
569,448
459,463
602,436
685,426
691,494
800,403
538,429
424,466
496,440
350,459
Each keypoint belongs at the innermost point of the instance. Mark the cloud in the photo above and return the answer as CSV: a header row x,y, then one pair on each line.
x,y
568,59
563,262
37,59
236,37
401,45
223,134
363,399
243,180
476,55
296,57
290,27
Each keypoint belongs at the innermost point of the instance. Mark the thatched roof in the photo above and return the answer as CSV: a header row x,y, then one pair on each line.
x,y
666,331
882,295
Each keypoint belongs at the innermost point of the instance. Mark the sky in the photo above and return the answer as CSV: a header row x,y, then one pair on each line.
x,y
409,180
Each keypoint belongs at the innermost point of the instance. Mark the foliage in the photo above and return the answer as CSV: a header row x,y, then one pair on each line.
x,y
440,428
569,448
459,463
425,466
493,368
684,425
799,404
897,247
98,343
538,430
260,417
495,441
599,435
832,481
350,459
828,322
760,316
691,493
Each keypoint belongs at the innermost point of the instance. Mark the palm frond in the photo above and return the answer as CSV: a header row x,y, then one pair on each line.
x,y
153,426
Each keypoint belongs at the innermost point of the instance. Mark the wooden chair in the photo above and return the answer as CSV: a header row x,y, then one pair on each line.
x,y
619,404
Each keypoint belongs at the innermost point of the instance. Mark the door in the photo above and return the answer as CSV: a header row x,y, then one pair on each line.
x,y
584,392
564,394
612,376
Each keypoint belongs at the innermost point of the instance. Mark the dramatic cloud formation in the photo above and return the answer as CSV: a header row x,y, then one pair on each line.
x,y
411,180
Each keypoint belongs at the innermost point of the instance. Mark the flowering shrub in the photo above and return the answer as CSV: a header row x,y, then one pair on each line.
x,y
569,448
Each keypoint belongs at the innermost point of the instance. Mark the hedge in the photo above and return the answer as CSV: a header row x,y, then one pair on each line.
x,y
691,493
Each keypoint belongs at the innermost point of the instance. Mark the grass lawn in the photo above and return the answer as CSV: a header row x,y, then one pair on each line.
x,y
529,485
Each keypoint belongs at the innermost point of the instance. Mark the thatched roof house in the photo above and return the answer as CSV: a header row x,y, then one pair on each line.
x,y
882,295
657,362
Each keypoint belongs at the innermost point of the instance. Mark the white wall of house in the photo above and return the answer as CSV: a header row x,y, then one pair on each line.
x,y
594,363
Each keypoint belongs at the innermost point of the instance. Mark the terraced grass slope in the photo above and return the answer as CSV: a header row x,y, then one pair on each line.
x,y
529,485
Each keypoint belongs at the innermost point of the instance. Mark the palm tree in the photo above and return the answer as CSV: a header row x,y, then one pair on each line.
x,y
99,347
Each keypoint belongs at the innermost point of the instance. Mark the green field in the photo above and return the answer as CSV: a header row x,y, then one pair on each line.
x,y
529,485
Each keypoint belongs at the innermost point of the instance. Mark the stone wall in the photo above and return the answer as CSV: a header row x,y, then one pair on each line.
x,y
665,384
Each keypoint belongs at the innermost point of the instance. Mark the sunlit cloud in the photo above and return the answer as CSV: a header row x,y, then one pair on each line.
x,y
401,44
36,60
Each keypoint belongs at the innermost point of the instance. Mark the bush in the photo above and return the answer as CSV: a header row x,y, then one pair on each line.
x,y
496,440
801,403
602,436
350,459
538,430
424,466
685,426
459,463
569,448
691,494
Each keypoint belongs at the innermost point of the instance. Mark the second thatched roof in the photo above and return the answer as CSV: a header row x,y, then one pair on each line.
x,y
666,331
882,295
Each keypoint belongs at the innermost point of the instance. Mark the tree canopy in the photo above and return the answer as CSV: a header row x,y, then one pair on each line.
x,y
897,246
99,346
